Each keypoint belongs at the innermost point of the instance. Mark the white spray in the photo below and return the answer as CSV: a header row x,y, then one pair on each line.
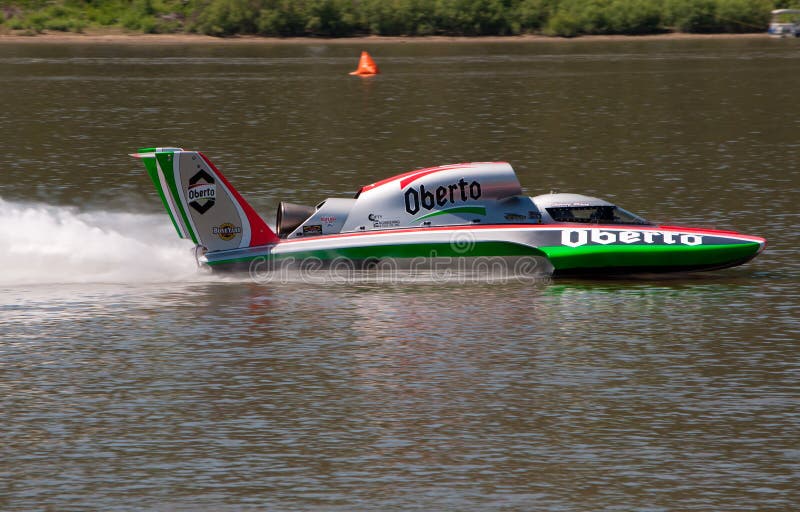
x,y
42,244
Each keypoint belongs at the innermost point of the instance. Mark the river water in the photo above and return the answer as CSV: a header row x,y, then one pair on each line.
x,y
131,381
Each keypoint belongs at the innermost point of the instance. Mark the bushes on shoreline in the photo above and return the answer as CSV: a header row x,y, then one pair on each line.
x,y
340,18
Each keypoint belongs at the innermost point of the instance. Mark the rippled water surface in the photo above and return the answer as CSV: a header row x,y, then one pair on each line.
x,y
131,381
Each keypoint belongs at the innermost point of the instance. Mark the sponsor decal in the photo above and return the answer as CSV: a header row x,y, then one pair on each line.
x,y
579,237
386,223
226,231
379,223
422,198
514,216
328,220
313,229
201,191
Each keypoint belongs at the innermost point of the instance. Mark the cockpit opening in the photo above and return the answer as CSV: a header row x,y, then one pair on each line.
x,y
597,214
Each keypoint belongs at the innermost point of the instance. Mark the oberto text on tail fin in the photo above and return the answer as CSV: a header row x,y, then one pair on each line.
x,y
201,202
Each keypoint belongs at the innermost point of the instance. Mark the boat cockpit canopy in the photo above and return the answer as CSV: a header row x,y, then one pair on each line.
x,y
586,210
594,215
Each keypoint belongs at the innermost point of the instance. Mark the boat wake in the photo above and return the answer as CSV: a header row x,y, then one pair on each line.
x,y
45,244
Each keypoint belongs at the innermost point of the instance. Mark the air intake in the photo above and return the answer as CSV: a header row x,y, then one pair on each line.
x,y
290,216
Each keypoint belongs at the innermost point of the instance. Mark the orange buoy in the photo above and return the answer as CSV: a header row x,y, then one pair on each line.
x,y
366,66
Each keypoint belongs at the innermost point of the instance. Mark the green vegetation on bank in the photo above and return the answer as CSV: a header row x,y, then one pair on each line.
x,y
339,18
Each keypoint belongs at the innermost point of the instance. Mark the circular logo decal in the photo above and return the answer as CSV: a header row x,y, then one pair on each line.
x,y
226,231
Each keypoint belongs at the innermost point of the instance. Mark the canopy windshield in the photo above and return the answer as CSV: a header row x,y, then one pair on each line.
x,y
599,214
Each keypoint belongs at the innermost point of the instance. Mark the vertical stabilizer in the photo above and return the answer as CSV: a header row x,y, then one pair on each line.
x,y
202,204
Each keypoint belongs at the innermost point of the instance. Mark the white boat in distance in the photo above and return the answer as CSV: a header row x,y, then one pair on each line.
x,y
785,23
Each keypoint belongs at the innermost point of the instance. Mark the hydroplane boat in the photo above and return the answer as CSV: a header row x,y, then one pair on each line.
x,y
452,213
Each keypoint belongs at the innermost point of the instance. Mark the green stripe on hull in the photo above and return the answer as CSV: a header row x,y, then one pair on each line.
x,y
609,256
165,160
152,171
400,251
477,210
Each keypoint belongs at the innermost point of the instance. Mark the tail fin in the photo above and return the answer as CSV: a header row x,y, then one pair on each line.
x,y
202,204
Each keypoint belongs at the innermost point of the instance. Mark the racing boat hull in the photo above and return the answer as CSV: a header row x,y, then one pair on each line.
x,y
469,216
560,250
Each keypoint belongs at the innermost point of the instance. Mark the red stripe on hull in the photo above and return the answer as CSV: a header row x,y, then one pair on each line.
x,y
615,227
260,233
410,176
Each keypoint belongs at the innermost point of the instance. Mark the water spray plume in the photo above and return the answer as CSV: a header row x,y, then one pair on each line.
x,y
48,244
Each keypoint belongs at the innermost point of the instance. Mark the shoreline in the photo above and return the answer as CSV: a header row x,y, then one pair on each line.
x,y
119,37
